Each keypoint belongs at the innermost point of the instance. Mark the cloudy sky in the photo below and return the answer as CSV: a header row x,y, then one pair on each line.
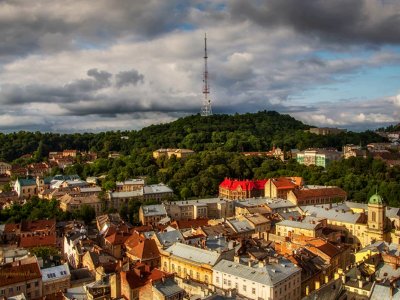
x,y
75,66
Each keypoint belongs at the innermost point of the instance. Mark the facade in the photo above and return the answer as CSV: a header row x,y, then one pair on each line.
x,y
152,214
129,185
179,153
25,188
213,208
72,203
351,150
56,279
4,167
22,276
241,189
280,187
287,228
273,280
189,262
317,195
318,157
326,131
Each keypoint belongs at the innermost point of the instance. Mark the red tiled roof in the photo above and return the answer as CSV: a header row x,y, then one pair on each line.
x,y
11,227
140,277
37,225
247,185
322,192
18,272
133,240
117,238
145,249
37,241
142,228
283,183
192,223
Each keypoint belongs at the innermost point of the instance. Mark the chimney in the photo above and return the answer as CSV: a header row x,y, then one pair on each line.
x,y
261,264
249,263
236,259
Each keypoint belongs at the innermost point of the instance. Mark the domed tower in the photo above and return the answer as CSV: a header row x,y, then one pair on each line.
x,y
377,227
376,213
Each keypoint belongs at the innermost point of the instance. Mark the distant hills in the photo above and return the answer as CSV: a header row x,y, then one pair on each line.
x,y
239,132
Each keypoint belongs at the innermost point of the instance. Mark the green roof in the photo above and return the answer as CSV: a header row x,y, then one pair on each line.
x,y
375,199
26,182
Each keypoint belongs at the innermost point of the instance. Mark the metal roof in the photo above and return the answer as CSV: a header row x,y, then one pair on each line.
x,y
270,274
333,214
194,254
296,224
154,210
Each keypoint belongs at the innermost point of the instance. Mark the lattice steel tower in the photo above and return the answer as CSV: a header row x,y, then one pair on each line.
x,y
206,108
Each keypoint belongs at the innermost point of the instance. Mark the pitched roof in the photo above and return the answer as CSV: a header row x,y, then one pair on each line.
x,y
247,185
193,223
305,194
117,238
38,225
283,183
37,241
145,249
19,271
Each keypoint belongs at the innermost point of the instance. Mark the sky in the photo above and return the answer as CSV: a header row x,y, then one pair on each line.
x,y
90,66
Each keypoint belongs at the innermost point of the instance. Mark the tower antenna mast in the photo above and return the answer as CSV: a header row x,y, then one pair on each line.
x,y
206,108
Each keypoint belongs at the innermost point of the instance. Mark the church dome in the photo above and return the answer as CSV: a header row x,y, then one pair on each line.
x,y
375,199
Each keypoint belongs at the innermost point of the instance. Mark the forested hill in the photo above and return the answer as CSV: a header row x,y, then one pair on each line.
x,y
245,132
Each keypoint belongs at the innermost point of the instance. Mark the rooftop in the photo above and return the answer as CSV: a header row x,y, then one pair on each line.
x,y
296,224
55,273
154,210
194,254
270,274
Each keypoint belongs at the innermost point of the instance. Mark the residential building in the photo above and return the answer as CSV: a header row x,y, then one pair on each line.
x,y
241,189
129,185
274,280
214,208
152,214
157,192
318,157
280,187
22,276
72,203
56,279
4,167
288,228
351,150
317,195
189,262
326,131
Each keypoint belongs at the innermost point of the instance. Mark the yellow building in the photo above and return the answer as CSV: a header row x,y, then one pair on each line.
x,y
179,153
288,228
189,262
359,229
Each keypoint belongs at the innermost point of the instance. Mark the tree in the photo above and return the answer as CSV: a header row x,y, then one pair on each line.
x,y
87,213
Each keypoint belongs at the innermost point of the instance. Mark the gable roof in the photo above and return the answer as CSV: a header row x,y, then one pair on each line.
x,y
246,185
145,250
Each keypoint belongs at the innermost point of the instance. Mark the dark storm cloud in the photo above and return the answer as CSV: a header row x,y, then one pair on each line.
x,y
352,21
126,78
71,92
27,26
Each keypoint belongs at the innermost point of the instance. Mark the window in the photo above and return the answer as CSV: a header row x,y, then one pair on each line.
x,y
229,283
253,291
224,281
198,275
373,216
206,278
18,288
36,283
216,278
10,290
244,288
28,286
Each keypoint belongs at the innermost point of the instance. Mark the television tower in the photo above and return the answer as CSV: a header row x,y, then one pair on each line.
x,y
206,108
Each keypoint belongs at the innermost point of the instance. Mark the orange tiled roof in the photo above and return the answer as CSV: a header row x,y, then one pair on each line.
x,y
18,272
193,223
322,192
145,249
283,183
37,241
117,238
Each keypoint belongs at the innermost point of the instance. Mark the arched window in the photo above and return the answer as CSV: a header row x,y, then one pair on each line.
x,y
373,216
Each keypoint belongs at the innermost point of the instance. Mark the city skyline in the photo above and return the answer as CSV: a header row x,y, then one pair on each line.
x,y
75,67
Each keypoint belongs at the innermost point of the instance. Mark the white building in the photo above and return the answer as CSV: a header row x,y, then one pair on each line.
x,y
278,280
